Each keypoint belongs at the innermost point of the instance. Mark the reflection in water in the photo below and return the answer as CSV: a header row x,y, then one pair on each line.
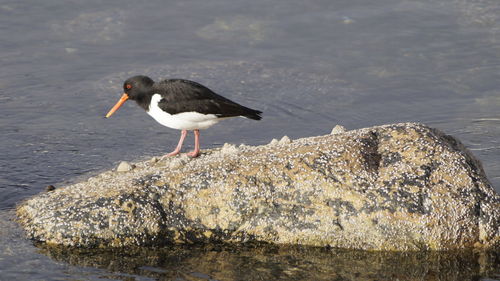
x,y
266,262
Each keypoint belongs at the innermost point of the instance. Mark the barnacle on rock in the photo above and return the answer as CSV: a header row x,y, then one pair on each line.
x,y
394,187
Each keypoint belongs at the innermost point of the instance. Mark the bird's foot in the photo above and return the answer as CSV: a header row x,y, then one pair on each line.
x,y
194,153
173,153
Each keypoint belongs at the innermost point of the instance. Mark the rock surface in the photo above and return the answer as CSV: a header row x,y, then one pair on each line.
x,y
393,187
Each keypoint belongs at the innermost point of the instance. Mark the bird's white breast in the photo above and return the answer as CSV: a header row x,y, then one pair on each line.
x,y
181,121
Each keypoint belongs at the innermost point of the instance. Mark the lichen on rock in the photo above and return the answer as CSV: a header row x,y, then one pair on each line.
x,y
394,187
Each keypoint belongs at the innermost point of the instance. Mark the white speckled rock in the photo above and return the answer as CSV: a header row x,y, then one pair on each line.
x,y
284,140
124,166
394,187
273,142
338,129
229,149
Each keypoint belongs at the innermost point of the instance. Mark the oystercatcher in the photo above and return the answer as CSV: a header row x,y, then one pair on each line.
x,y
182,105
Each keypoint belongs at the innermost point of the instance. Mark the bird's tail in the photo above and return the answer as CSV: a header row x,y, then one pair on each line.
x,y
253,114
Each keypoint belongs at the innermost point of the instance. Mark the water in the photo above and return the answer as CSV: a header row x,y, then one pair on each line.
x,y
309,65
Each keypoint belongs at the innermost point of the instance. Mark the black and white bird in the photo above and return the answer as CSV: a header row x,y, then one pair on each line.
x,y
182,105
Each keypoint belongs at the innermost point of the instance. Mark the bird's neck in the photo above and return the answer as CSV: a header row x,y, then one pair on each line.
x,y
144,100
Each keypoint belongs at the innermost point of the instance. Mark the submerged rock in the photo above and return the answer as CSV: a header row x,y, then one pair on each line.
x,y
394,187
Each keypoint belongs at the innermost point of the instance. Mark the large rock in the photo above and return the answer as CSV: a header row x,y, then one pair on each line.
x,y
394,187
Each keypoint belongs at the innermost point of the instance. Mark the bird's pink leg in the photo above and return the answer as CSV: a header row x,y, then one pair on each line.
x,y
196,150
179,145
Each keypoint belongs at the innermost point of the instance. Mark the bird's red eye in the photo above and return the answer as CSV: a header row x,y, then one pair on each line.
x,y
128,86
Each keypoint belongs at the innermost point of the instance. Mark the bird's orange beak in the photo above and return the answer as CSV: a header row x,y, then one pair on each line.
x,y
122,100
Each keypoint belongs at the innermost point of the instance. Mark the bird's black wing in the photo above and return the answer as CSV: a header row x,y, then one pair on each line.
x,y
187,96
178,89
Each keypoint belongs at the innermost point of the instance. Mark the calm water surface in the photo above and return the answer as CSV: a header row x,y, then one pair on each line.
x,y
309,65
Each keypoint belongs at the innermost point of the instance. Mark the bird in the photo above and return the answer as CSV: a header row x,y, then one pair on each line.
x,y
183,105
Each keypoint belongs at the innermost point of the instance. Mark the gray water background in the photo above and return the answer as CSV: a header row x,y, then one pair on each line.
x,y
308,65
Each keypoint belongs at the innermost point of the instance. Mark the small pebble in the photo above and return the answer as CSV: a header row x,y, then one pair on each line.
x,y
124,166
338,129
154,160
273,142
228,149
285,140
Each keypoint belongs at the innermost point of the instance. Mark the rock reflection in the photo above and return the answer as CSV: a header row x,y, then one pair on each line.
x,y
267,262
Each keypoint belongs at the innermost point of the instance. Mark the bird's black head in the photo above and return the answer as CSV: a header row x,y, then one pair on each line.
x,y
137,87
